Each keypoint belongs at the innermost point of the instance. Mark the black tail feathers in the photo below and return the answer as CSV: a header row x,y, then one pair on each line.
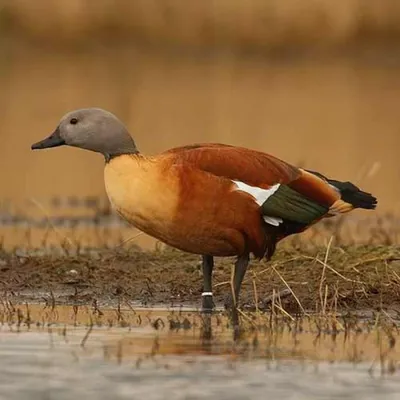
x,y
351,193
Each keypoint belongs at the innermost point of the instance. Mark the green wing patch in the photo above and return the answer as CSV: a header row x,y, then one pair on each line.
x,y
288,204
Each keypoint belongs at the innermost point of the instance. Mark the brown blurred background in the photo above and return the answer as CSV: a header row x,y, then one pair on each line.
x,y
314,82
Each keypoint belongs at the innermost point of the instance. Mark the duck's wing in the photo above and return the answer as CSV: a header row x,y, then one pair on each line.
x,y
283,191
236,163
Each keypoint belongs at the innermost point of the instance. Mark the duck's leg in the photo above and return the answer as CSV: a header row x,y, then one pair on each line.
x,y
240,269
207,296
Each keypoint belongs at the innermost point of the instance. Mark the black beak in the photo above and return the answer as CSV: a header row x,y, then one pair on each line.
x,y
53,140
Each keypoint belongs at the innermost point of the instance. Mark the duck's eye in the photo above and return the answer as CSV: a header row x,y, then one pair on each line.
x,y
73,121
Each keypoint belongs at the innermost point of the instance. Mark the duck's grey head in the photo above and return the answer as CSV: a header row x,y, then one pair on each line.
x,y
91,129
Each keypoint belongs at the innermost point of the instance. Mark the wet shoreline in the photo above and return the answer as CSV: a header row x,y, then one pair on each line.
x,y
67,353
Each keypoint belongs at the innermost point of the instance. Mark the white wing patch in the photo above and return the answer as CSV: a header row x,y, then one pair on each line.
x,y
260,196
272,220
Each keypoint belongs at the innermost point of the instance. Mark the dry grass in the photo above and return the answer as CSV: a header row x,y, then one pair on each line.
x,y
345,278
255,24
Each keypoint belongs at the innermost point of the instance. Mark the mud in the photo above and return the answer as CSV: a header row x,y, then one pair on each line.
x,y
335,279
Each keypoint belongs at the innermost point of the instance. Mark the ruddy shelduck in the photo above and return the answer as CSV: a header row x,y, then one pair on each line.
x,y
210,199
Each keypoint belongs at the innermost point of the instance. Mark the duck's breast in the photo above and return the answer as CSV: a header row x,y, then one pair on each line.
x,y
142,193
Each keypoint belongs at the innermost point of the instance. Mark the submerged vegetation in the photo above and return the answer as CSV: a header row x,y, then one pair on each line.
x,y
125,334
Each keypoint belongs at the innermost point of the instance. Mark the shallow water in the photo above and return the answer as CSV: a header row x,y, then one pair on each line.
x,y
59,355
29,369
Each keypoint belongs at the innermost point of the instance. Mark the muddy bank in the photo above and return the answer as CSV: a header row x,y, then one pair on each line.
x,y
346,278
